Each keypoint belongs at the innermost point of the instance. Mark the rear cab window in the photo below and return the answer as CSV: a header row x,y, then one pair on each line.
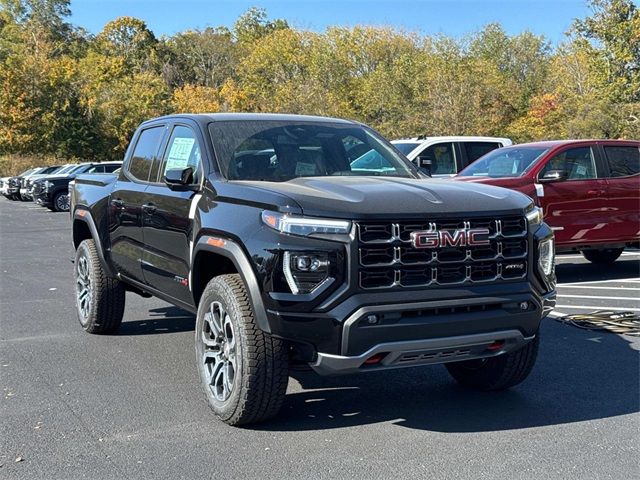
x,y
475,150
623,160
139,166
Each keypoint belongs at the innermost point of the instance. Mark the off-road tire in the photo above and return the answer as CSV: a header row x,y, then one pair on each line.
x,y
56,201
497,373
603,257
261,373
107,294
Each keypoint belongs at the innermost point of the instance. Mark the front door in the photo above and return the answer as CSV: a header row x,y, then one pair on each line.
x,y
575,208
168,218
125,204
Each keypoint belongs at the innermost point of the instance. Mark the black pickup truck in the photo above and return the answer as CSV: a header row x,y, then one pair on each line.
x,y
265,228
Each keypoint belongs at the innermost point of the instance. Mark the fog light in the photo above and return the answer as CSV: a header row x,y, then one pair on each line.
x,y
524,305
304,272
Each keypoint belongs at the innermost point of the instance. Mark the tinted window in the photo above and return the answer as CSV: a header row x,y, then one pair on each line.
x,y
182,151
110,168
504,162
475,150
275,150
579,164
443,159
95,169
623,161
406,147
144,153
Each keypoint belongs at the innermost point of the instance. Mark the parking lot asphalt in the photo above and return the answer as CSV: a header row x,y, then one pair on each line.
x,y
129,405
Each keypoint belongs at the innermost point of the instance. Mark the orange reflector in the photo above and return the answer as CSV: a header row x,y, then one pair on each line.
x,y
270,220
377,358
216,242
81,213
497,345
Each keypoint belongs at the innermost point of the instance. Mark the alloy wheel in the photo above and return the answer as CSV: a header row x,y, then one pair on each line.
x,y
62,202
84,288
219,353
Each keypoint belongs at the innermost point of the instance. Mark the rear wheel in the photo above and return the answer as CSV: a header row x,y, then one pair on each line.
x,y
604,256
61,202
497,373
243,370
99,297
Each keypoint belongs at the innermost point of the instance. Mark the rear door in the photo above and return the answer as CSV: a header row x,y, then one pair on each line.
x,y
168,215
127,198
471,151
575,208
623,189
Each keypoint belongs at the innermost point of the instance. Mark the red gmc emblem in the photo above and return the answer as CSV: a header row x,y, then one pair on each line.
x,y
457,238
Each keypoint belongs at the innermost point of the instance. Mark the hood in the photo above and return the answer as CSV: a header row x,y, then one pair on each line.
x,y
53,178
389,197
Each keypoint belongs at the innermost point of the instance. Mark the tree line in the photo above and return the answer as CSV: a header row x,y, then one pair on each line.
x,y
69,95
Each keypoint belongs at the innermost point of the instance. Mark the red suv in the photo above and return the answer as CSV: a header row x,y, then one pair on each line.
x,y
589,190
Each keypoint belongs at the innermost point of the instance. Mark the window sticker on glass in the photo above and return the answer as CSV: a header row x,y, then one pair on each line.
x,y
179,154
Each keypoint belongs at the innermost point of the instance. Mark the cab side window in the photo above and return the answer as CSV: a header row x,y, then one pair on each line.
x,y
144,152
623,161
182,151
475,150
579,163
443,159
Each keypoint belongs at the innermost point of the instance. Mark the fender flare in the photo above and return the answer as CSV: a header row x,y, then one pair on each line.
x,y
231,250
84,215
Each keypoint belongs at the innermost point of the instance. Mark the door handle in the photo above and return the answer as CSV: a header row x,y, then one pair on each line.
x,y
597,193
149,208
118,203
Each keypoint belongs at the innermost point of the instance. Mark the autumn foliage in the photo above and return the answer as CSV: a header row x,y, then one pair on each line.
x,y
66,94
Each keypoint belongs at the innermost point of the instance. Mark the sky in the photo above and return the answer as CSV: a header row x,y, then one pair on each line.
x,y
451,17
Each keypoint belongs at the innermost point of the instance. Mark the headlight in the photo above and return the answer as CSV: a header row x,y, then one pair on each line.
x,y
47,185
304,226
534,215
305,271
546,256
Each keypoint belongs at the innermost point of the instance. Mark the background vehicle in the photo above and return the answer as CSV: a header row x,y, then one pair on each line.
x,y
295,255
13,184
53,191
447,155
27,181
589,190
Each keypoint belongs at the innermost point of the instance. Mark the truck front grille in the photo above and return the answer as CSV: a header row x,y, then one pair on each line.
x,y
388,259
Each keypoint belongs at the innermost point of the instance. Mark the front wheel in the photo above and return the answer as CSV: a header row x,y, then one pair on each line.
x,y
497,373
61,202
99,297
603,257
243,370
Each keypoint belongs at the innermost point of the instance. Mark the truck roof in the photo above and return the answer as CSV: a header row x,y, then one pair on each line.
x,y
222,117
558,143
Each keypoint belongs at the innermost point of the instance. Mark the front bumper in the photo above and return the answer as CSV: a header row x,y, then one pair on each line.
x,y
422,352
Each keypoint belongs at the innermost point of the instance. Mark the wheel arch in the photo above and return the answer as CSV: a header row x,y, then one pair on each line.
x,y
232,259
84,228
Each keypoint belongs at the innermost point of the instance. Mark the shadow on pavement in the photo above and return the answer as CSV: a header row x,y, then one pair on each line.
x,y
167,319
576,378
584,272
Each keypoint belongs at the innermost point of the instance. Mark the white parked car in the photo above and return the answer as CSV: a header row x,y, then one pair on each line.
x,y
446,156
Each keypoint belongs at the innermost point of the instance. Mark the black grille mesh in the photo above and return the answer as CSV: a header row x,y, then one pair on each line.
x,y
387,258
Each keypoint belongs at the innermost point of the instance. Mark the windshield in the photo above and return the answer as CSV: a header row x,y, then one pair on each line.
x,y
504,162
276,150
65,169
28,172
406,147
80,168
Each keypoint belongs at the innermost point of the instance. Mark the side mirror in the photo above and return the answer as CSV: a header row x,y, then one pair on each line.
x,y
424,164
179,178
553,176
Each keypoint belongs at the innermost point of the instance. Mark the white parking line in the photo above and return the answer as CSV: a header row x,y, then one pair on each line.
x,y
622,280
599,307
636,299
590,287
